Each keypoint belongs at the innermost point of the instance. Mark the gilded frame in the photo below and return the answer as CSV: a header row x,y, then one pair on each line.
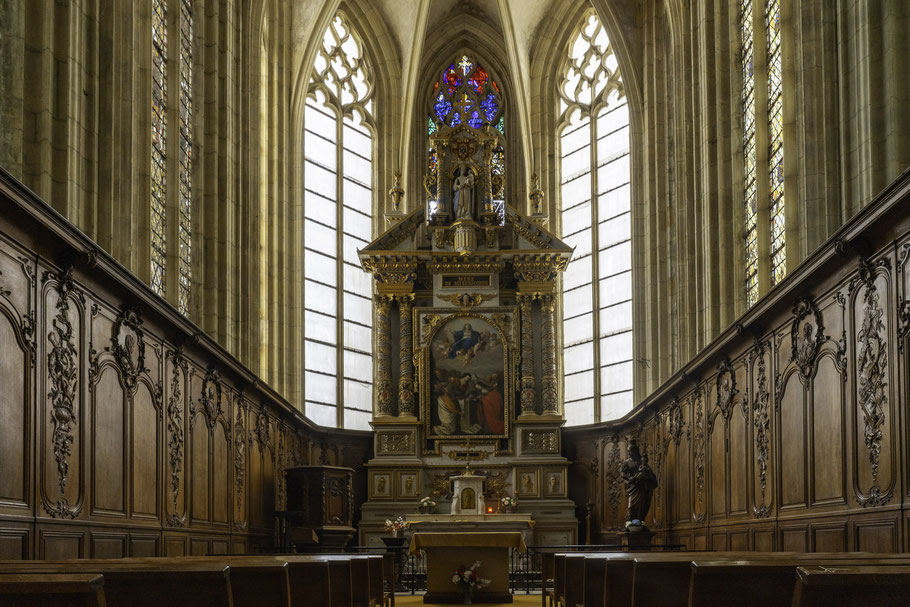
x,y
428,322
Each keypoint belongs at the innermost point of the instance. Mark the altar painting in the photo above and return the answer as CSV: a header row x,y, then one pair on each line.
x,y
467,380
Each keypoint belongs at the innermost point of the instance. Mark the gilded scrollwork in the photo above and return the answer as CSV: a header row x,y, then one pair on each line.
x,y
63,373
539,441
395,442
463,300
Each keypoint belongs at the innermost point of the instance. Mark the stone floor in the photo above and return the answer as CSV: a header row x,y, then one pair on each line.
x,y
521,600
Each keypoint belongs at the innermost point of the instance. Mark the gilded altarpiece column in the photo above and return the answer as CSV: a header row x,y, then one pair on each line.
x,y
528,395
406,403
550,381
383,354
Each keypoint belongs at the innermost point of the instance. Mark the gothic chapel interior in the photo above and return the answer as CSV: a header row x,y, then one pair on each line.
x,y
593,275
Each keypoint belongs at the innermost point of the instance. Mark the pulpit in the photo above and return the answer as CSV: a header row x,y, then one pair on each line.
x,y
447,552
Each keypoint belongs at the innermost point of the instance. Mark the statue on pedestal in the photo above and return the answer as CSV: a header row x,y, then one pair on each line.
x,y
463,193
640,483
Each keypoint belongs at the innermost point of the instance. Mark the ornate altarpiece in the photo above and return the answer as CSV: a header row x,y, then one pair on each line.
x,y
465,366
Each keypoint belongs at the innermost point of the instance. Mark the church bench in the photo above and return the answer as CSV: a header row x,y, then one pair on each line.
x,y
255,582
767,582
52,590
844,586
128,583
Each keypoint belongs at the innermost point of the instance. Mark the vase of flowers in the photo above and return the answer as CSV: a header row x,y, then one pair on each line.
x,y
426,505
395,527
469,580
508,504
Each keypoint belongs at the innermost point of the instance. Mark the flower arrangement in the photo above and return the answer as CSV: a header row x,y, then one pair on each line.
x,y
467,578
395,526
427,504
509,503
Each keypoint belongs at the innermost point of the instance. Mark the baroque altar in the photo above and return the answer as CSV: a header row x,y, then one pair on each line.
x,y
465,352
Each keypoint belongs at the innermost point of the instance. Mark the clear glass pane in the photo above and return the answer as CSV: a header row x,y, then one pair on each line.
x,y
322,415
320,327
578,358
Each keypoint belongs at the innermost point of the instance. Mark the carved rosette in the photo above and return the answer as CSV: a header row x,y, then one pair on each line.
x,y
549,382
726,389
614,479
63,374
406,401
528,396
807,334
383,351
175,437
761,422
872,363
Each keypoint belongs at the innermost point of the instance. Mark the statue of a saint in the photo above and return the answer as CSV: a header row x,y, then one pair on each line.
x,y
640,484
463,193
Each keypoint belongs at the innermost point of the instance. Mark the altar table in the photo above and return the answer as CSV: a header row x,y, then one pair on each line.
x,y
446,552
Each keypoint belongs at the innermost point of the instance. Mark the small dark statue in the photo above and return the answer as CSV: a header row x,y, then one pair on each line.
x,y
640,484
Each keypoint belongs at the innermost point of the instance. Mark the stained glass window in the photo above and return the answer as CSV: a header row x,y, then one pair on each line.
x,y
159,139
776,143
466,86
185,201
595,218
338,211
750,168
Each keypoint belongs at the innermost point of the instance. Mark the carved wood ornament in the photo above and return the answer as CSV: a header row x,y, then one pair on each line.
x,y
128,347
175,431
871,369
807,334
210,402
761,422
63,371
726,389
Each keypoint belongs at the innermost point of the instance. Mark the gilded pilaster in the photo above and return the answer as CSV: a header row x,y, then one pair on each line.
x,y
406,404
548,349
526,303
383,351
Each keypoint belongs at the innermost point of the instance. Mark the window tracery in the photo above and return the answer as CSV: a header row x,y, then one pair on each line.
x,y
159,140
595,217
185,194
338,201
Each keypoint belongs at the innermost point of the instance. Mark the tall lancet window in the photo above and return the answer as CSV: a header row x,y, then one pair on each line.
x,y
768,259
338,205
595,216
181,256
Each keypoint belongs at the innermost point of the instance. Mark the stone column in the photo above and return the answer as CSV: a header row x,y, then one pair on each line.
x,y
406,363
526,303
548,348
383,351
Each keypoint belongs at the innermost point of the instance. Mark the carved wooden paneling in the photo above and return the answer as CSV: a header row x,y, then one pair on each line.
x,y
15,412
829,537
793,430
145,435
108,448
828,434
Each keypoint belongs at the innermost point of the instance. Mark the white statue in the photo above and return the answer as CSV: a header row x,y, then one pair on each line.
x,y
463,193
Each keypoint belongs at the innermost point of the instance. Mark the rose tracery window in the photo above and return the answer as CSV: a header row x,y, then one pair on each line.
x,y
595,217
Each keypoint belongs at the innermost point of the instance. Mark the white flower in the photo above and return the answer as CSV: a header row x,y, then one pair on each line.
x,y
455,579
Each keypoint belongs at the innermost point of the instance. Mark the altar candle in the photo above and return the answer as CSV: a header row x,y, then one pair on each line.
x,y
489,509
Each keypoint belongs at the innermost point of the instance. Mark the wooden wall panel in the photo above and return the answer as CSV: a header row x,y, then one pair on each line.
x,y
796,423
145,435
109,407
116,414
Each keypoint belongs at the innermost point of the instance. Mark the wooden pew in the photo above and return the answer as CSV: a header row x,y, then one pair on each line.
x,y
843,586
130,583
767,582
52,590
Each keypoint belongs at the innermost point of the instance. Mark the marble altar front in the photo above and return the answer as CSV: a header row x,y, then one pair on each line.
x,y
472,523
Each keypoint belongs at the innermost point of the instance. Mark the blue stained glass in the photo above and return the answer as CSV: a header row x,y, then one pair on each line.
x,y
501,125
442,107
431,125
456,119
490,107
475,121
